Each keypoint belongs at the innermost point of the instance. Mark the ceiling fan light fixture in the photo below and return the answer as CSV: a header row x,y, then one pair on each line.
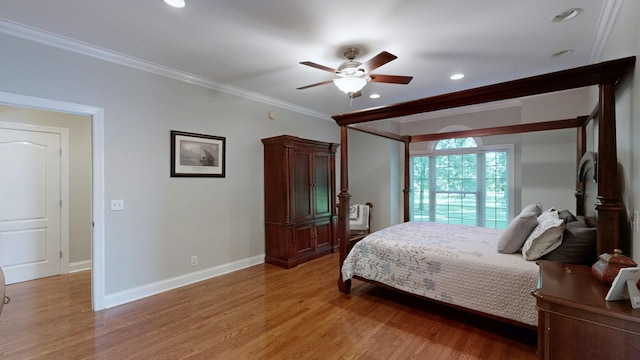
x,y
350,84
350,68
175,3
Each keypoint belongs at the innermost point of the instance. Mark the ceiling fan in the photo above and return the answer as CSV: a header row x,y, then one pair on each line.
x,y
354,75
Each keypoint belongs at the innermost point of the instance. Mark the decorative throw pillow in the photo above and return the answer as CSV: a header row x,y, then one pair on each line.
x,y
590,221
535,207
517,232
567,216
546,237
579,245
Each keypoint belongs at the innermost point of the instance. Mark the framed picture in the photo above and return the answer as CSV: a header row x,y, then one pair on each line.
x,y
197,155
619,288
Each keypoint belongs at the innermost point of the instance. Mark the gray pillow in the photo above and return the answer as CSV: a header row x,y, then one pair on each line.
x,y
567,216
516,234
579,245
535,207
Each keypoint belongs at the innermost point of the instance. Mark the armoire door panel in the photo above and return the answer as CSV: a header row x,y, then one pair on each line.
x,y
302,199
303,239
323,233
322,188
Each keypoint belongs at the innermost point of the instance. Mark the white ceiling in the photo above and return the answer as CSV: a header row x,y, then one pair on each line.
x,y
252,47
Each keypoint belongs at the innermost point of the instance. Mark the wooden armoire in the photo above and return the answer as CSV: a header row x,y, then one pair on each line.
x,y
299,200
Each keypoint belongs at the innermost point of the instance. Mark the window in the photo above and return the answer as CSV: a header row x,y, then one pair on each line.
x,y
462,182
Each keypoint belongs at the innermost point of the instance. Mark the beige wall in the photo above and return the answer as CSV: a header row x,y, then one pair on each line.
x,y
79,128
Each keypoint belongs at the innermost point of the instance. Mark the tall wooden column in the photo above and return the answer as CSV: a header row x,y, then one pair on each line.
x,y
344,199
581,146
610,204
407,185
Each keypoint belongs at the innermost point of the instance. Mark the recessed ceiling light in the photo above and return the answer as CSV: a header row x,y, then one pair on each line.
x,y
374,96
567,15
562,53
456,76
175,3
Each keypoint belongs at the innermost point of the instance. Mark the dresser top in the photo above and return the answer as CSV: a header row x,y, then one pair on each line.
x,y
575,286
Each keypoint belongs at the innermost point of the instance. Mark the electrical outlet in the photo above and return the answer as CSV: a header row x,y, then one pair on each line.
x,y
194,261
117,205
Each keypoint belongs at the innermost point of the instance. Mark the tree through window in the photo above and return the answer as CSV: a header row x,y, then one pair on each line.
x,y
460,182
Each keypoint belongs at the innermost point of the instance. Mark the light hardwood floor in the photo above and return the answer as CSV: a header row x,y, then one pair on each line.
x,y
263,312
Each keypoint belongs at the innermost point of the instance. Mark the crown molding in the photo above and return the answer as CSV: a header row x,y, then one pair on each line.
x,y
61,42
610,11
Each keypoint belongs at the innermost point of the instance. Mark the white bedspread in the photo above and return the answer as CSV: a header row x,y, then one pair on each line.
x,y
454,264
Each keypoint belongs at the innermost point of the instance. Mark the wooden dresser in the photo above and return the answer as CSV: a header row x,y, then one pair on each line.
x,y
299,200
574,320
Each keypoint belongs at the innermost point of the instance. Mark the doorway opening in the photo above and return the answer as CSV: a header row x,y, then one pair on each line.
x,y
97,183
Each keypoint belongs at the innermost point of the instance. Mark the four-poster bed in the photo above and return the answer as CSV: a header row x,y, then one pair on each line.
x,y
609,207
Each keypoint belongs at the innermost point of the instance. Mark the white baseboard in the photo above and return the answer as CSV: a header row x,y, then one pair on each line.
x,y
123,297
80,266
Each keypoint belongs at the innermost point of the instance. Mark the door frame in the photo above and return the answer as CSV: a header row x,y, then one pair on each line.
x,y
97,146
64,182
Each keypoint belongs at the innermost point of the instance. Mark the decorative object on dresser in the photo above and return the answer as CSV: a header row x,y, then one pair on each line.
x,y
607,267
299,200
575,321
625,286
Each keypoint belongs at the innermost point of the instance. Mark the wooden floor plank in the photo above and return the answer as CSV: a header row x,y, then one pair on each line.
x,y
263,312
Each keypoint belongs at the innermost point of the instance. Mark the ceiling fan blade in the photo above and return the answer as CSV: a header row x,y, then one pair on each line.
x,y
377,61
391,79
318,66
316,84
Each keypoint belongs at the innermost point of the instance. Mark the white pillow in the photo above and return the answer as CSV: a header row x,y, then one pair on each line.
x,y
546,237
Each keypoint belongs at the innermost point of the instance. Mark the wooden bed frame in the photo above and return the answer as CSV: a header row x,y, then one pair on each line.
x,y
611,226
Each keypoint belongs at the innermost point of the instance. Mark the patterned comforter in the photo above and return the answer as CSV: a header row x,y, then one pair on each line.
x,y
454,264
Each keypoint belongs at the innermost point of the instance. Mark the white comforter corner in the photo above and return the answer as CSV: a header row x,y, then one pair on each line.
x,y
455,264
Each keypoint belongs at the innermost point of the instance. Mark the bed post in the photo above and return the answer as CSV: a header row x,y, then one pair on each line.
x,y
581,147
609,205
581,141
407,186
343,208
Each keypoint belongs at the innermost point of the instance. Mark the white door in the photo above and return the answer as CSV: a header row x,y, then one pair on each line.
x,y
30,200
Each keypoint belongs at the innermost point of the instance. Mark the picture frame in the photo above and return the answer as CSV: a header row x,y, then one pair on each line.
x,y
618,290
197,155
